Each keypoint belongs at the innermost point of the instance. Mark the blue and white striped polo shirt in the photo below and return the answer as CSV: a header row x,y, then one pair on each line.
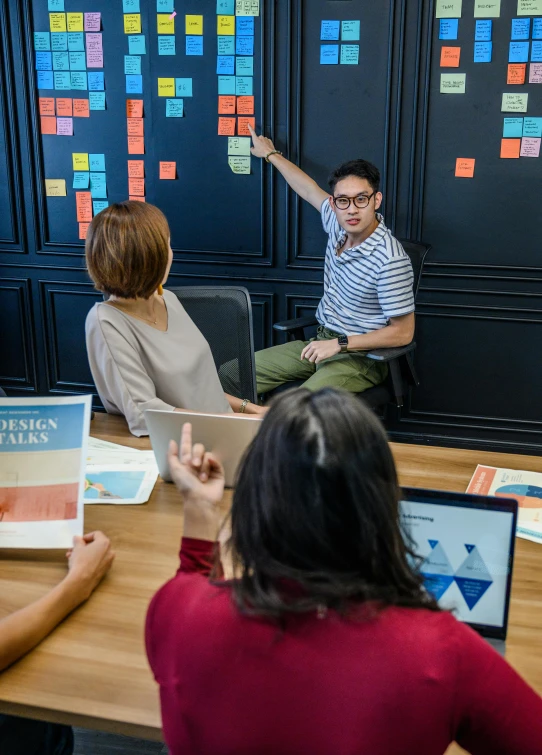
x,y
365,285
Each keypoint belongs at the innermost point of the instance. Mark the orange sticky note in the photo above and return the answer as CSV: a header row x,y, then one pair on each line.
x,y
168,170
47,105
134,108
516,73
464,167
510,147
242,125
136,169
48,124
136,186
226,104
136,145
226,126
136,199
83,229
83,202
449,57
64,107
245,105
81,109
135,126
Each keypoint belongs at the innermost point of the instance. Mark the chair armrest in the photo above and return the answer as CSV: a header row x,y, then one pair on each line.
x,y
287,326
386,355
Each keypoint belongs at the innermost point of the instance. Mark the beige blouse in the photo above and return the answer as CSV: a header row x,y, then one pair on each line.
x,y
137,367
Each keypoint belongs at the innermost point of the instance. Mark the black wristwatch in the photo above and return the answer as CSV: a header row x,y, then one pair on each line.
x,y
343,343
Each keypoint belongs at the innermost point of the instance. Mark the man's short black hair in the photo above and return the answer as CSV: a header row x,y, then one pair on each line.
x,y
358,168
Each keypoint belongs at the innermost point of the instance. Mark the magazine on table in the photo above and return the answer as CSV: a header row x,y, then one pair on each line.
x,y
118,474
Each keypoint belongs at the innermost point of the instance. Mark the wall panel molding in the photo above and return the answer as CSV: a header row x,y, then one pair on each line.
x,y
17,366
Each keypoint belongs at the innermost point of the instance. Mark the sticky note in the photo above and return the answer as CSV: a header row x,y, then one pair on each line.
x,y
245,105
243,45
464,167
243,123
484,30
95,58
350,31
166,87
532,127
59,41
239,165
329,54
136,187
521,28
134,108
95,81
183,87
247,7
225,65
168,170
136,145
93,21
76,41
61,61
48,124
98,205
226,126
62,80
226,45
535,73
132,64
80,160
244,65
514,103
75,22
243,85
226,105
98,186
516,73
453,83
78,80
449,57
530,147
132,23
239,145
537,28
45,80
57,22
448,28
165,24
81,109
134,84
136,168
136,44
225,7
513,127
193,24
55,5
42,41
329,30
97,162
226,85
81,179
77,61
529,7
55,187
166,45
487,8
164,6
448,8
349,55
244,27
64,126
130,6
64,106
83,203
96,100
225,25
483,52
518,52
174,108
194,45
510,148
83,230
536,52
44,61
47,105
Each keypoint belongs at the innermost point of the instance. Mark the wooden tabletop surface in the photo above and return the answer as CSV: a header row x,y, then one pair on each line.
x,y
92,671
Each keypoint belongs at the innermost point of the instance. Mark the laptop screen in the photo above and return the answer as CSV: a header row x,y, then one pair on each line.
x,y
465,543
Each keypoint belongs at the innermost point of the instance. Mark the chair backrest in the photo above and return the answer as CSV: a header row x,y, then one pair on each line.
x,y
2,393
223,314
417,251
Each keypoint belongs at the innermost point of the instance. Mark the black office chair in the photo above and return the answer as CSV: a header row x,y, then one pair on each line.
x,y
399,359
224,315
2,393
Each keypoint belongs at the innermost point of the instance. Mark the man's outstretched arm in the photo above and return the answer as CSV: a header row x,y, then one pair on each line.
x,y
299,181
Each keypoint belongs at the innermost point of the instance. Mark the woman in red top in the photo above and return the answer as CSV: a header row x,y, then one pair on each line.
x,y
326,642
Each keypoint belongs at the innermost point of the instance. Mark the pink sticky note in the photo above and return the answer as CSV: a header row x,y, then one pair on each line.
x,y
95,59
94,42
93,21
64,126
535,73
173,14
530,147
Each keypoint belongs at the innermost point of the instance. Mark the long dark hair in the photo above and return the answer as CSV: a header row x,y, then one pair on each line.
x,y
315,515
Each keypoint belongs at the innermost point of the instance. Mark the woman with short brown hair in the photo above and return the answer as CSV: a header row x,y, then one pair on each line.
x,y
144,350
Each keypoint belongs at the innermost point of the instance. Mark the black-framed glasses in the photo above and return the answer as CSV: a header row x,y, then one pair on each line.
x,y
361,201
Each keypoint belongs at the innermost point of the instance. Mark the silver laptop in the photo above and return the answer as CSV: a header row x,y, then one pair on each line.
x,y
465,544
226,435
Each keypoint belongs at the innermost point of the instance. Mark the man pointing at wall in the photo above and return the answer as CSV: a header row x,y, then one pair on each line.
x,y
368,301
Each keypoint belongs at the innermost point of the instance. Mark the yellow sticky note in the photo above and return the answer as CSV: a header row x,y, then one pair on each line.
x,y
194,24
132,23
75,22
165,24
55,187
247,7
166,87
57,21
80,160
529,7
487,8
225,25
449,8
239,165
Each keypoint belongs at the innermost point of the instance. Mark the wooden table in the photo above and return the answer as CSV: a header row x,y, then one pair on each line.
x,y
92,671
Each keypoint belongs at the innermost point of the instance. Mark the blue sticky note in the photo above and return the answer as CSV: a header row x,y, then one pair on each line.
x,y
174,108
134,84
61,61
226,85
448,28
532,127
483,52
62,80
81,179
95,81
194,44
132,64
183,87
45,80
130,6
78,80
55,5
225,7
59,41
537,28
243,85
350,55
164,6
484,30
76,41
225,65
96,100
243,45
350,31
42,41
166,44
44,61
244,26
77,61
329,54
521,28
98,205
96,162
98,187
519,52
329,30
244,66
226,45
513,127
536,52
136,44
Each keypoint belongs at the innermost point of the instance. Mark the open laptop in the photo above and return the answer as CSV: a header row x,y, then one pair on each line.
x,y
466,543
226,435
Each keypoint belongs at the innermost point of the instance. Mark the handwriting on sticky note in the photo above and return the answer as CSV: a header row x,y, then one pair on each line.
x,y
134,108
529,7
243,123
487,8
239,146
75,22
535,73
194,24
136,169
516,73
449,57
510,148
135,126
530,147
57,22
453,83
239,165
64,126
464,167
225,25
514,103
80,160
47,105
165,24
448,8
92,21
132,23
48,124
136,186
136,145
226,126
81,109
245,105
83,203
168,170
64,106
55,187
134,198
83,230
166,87
226,104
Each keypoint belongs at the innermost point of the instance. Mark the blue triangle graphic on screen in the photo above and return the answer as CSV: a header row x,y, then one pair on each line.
x,y
437,570
473,578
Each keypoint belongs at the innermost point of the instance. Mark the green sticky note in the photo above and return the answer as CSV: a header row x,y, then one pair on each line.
x,y
529,7
514,103
487,8
174,108
350,31
453,83
448,8
239,165
350,54
239,146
